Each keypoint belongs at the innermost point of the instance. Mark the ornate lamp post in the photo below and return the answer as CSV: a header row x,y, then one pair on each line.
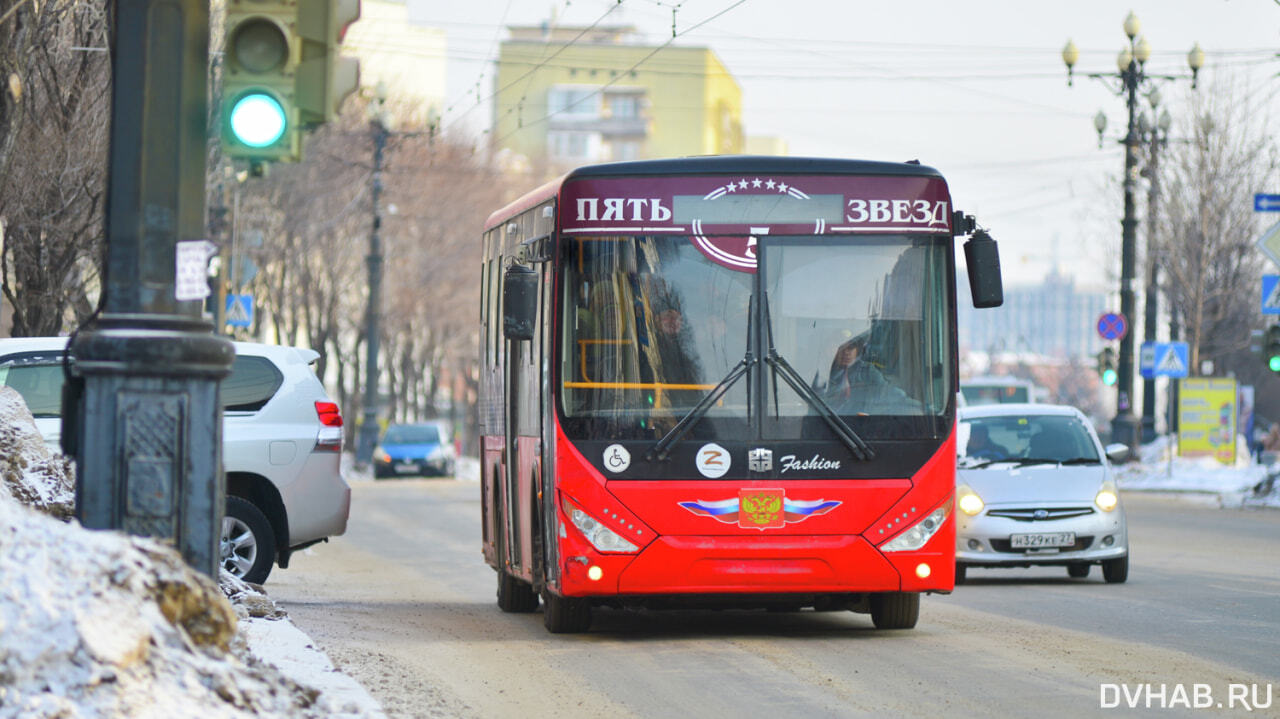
x,y
1131,75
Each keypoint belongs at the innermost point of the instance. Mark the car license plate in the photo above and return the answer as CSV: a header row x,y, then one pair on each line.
x,y
406,467
1047,539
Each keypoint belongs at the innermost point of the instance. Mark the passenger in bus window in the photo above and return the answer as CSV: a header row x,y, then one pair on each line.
x,y
854,383
677,365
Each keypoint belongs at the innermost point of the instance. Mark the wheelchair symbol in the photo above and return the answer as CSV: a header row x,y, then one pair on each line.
x,y
616,458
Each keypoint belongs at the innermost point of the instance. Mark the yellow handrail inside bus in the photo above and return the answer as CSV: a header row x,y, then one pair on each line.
x,y
582,351
636,385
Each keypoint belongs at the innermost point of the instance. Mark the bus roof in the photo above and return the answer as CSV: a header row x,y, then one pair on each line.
x,y
730,164
712,165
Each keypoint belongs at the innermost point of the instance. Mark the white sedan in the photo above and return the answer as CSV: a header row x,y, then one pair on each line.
x,y
1035,487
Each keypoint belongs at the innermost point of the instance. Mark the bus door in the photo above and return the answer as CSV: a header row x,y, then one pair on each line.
x,y
523,421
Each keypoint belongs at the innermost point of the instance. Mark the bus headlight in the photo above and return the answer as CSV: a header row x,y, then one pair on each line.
x,y
969,501
1108,496
920,532
600,536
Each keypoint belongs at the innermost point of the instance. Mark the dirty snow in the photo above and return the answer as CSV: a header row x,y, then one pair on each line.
x,y
100,624
1244,483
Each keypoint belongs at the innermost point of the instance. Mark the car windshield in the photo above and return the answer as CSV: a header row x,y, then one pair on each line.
x,y
1025,439
412,434
654,323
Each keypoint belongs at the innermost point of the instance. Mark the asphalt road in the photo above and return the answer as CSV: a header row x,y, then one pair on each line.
x,y
405,604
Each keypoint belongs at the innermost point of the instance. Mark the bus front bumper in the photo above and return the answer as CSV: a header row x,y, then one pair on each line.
x,y
789,564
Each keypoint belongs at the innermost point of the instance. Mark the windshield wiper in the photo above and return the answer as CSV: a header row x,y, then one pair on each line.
x,y
783,368
677,433
1081,460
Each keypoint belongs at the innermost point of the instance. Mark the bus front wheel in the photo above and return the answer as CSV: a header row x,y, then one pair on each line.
x,y
895,610
565,615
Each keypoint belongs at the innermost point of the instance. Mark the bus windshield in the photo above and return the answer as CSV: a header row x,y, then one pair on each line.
x,y
652,324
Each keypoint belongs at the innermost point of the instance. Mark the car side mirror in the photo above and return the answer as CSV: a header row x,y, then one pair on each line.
x,y
519,302
983,259
1117,452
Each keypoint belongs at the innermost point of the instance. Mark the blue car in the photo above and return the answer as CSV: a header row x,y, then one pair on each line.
x,y
409,450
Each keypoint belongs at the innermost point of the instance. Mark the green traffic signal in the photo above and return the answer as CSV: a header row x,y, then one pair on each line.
x,y
1107,366
259,111
258,120
1271,348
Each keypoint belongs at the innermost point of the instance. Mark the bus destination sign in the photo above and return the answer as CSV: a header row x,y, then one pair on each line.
x,y
725,215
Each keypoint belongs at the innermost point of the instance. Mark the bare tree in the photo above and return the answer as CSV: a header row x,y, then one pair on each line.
x,y
53,149
315,218
1208,227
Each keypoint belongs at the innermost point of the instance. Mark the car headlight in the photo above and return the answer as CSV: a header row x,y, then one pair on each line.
x,y
920,532
381,455
1108,496
968,500
600,536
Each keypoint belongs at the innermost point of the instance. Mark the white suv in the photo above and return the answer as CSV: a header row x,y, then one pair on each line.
x,y
281,446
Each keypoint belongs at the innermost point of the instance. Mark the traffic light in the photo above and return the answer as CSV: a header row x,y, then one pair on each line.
x,y
325,78
1107,366
1271,348
259,118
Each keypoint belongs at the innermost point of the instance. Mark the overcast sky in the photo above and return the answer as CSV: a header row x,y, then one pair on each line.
x,y
976,89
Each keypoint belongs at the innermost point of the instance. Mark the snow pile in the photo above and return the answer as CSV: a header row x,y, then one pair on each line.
x,y
100,624
1242,483
29,473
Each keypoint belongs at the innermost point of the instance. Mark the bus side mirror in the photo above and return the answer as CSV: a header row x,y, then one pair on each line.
x,y
519,302
983,258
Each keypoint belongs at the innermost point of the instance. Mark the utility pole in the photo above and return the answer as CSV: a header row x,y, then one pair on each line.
x,y
369,426
143,418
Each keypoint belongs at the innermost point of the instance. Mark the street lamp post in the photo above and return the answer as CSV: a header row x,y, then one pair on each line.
x,y
1157,135
369,427
1130,76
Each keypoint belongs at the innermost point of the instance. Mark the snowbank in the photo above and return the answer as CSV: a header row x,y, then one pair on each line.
x,y
1158,469
29,473
100,624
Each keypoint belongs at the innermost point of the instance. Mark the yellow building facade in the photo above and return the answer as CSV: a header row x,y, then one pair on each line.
x,y
597,98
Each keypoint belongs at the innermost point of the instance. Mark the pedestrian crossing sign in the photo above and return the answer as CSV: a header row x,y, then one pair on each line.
x,y
1271,294
1172,359
239,310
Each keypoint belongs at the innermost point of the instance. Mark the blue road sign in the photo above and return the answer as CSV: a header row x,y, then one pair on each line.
x,y
1173,359
1271,294
239,310
1112,326
1147,360
1263,202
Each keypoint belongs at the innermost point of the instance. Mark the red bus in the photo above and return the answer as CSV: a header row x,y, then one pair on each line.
x,y
726,382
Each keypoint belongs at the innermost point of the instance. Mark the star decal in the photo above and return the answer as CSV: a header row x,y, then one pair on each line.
x,y
769,184
730,187
755,183
742,184
782,187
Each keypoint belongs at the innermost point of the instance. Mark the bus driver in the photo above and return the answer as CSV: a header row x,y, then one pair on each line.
x,y
854,383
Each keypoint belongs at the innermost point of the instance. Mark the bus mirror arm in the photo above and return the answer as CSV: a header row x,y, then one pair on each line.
x,y
519,302
982,257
